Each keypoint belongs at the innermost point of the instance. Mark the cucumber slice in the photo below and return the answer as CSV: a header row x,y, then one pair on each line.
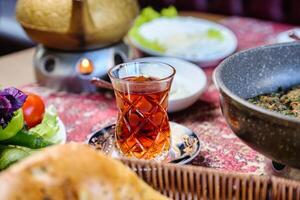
x,y
10,155
25,139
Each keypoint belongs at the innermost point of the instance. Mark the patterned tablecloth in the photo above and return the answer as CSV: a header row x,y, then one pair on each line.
x,y
85,113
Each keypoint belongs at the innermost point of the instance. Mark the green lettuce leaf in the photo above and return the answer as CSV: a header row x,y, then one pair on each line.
x,y
49,127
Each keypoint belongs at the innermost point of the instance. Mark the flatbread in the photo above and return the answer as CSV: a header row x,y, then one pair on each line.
x,y
73,172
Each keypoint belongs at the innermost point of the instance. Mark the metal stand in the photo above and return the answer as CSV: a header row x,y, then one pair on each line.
x,y
58,69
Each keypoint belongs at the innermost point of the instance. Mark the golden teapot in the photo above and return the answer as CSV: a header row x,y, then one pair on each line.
x,y
76,24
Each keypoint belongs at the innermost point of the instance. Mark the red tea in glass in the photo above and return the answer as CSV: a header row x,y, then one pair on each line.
x,y
142,91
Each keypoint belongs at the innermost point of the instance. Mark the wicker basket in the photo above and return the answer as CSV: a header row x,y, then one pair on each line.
x,y
190,182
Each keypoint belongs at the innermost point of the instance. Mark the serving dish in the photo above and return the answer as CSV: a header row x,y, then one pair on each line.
x,y
189,82
26,125
187,38
258,71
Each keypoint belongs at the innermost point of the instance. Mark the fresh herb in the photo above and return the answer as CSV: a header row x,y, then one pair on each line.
x,y
214,34
11,99
169,12
148,14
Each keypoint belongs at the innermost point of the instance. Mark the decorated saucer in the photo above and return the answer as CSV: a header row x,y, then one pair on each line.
x,y
185,144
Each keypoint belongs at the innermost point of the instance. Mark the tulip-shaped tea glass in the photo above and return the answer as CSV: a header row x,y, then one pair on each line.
x,y
142,90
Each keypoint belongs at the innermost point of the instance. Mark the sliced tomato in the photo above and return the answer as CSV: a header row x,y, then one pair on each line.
x,y
33,110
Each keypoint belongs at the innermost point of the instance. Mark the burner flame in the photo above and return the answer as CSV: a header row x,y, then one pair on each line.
x,y
85,67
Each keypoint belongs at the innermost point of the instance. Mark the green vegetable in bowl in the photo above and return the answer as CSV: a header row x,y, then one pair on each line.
x,y
15,125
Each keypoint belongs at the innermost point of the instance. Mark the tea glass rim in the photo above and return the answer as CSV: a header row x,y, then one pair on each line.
x,y
110,74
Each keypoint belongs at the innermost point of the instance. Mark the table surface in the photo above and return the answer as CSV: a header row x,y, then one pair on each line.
x,y
16,69
83,114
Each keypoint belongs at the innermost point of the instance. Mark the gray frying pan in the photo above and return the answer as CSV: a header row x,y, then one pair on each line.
x,y
257,71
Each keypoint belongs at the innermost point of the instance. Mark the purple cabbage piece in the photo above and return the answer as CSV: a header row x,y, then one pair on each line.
x,y
15,97
5,105
11,99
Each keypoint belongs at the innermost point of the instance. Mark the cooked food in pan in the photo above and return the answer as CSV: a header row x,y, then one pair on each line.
x,y
285,102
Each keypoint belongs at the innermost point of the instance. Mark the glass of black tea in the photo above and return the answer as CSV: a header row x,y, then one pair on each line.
x,y
142,91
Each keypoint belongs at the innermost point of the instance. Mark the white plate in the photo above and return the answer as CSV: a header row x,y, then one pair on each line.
x,y
209,51
188,76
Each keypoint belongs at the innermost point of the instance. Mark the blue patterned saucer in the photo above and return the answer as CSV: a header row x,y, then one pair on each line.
x,y
185,143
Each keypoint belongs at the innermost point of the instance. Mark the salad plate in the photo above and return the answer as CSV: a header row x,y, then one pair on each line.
x,y
26,125
185,143
193,39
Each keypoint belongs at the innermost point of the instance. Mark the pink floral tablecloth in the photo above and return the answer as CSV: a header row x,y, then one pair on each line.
x,y
85,113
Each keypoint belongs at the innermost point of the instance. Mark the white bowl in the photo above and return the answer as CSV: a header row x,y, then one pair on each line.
x,y
189,78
